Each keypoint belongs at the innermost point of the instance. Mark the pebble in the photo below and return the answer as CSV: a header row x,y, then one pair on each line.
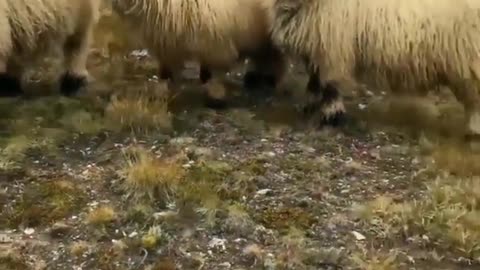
x,y
5,238
59,229
264,191
217,243
29,231
358,236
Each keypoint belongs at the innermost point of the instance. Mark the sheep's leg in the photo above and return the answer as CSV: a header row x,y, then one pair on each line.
x,y
10,81
325,99
216,92
276,67
10,84
76,54
166,74
467,93
205,74
252,79
267,67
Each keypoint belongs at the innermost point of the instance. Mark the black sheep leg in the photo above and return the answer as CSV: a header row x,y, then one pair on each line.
x,y
10,86
325,99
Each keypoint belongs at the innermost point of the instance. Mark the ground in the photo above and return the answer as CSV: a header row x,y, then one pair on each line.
x,y
124,177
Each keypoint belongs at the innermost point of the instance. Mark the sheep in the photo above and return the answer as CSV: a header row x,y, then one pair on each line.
x,y
214,33
402,46
29,29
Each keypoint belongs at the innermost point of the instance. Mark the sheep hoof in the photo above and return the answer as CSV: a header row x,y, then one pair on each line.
x,y
335,120
473,141
71,84
332,114
10,86
216,104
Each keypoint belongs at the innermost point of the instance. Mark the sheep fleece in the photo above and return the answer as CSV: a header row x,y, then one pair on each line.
x,y
409,44
28,27
216,32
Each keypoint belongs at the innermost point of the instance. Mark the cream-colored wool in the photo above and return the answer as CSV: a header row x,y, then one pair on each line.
x,y
31,28
215,33
405,46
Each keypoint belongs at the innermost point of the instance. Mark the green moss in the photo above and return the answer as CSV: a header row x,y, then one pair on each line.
x,y
139,213
286,217
11,261
45,203
254,166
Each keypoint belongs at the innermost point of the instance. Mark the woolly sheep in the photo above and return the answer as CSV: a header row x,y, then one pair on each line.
x,y
215,33
403,45
31,28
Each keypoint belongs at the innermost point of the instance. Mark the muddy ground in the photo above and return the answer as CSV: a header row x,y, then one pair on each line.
x,y
124,177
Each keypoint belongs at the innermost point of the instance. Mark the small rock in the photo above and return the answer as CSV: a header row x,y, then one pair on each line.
x,y
304,203
5,238
264,191
29,231
307,148
217,243
164,215
59,229
253,250
182,140
225,264
40,265
358,236
202,152
319,193
375,153
261,181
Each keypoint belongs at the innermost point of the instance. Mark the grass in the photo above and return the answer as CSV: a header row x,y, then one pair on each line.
x,y
79,248
140,113
101,216
43,203
448,215
155,236
151,178
375,261
11,259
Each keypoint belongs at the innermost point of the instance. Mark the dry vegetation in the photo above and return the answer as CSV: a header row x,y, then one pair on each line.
x,y
129,176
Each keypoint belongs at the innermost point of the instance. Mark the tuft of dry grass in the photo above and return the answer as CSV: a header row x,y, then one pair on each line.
x,y
293,250
102,215
140,112
79,248
83,122
448,215
154,237
457,159
245,120
203,187
149,177
375,261
16,147
12,260
162,264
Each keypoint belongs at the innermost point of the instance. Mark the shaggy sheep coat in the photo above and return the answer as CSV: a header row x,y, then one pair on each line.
x,y
408,45
31,28
215,33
